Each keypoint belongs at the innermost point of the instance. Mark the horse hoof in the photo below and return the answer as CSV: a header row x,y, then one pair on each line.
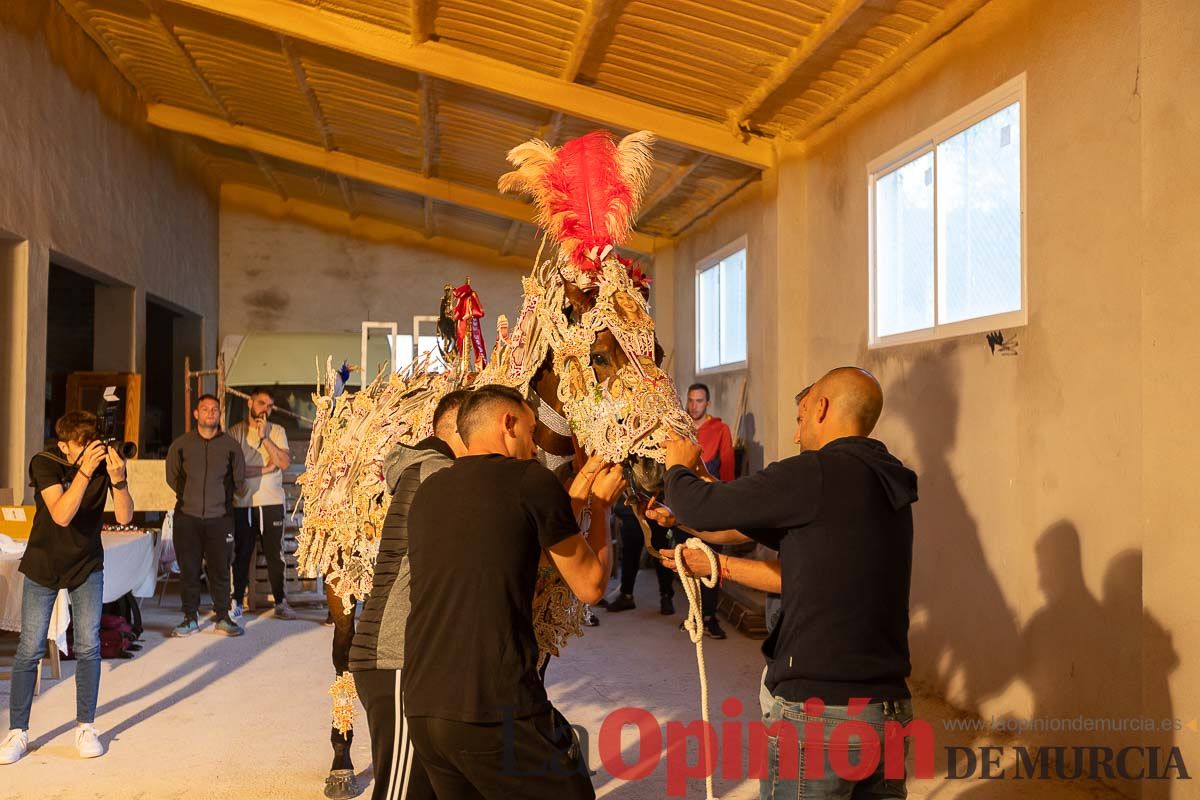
x,y
342,785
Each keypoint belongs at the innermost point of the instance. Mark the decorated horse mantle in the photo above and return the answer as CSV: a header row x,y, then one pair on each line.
x,y
580,299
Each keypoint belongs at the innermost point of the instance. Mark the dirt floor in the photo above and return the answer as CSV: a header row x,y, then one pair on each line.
x,y
216,718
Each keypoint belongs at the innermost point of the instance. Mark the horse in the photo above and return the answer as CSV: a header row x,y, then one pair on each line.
x,y
583,350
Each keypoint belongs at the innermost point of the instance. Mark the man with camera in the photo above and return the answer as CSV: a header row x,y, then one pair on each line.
x,y
206,469
71,481
258,514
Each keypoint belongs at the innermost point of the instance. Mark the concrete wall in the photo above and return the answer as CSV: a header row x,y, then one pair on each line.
x,y
1044,476
85,183
285,275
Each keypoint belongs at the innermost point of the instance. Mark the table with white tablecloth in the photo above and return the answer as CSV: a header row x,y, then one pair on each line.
x,y
130,565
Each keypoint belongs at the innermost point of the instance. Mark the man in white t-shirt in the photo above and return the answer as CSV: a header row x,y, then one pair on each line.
x,y
258,514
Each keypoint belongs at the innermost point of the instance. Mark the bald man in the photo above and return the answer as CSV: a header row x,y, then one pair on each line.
x,y
840,516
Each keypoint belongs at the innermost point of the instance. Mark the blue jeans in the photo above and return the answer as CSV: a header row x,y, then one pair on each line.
x,y
37,603
786,773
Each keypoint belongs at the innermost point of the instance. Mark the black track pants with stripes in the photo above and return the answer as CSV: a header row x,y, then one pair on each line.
x,y
397,768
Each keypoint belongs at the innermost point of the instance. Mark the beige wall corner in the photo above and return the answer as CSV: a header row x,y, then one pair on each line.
x,y
1170,349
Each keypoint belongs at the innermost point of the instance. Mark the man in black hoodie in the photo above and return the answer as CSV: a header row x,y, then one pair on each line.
x,y
840,516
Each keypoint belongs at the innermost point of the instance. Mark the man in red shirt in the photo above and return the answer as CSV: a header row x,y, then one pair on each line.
x,y
716,450
716,442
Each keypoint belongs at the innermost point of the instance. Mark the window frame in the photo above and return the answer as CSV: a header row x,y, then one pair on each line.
x,y
1012,91
708,262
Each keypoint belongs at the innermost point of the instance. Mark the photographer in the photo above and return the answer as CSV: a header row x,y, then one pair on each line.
x,y
70,482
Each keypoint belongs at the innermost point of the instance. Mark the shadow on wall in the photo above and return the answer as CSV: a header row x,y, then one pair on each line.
x,y
1106,659
964,637
752,460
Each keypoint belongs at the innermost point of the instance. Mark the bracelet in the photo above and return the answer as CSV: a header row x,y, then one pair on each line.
x,y
585,518
85,475
121,484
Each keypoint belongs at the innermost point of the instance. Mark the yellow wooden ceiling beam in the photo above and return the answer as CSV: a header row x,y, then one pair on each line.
x,y
740,116
256,141
365,226
384,45
946,19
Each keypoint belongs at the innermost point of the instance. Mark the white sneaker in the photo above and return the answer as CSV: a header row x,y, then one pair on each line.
x,y
14,746
235,610
87,742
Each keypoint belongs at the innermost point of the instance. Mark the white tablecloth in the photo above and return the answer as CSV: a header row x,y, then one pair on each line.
x,y
130,565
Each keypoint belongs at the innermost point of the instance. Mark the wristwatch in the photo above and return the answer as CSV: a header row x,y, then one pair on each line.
x,y
121,484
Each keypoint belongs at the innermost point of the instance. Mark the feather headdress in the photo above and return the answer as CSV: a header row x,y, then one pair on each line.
x,y
586,191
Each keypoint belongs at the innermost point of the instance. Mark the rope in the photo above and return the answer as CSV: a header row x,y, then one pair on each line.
x,y
694,625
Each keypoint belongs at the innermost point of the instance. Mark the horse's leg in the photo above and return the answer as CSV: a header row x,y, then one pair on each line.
x,y
341,783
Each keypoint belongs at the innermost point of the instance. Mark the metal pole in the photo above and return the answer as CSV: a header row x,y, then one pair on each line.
x,y
187,394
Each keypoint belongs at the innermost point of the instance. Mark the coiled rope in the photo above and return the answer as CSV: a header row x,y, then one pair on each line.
x,y
694,625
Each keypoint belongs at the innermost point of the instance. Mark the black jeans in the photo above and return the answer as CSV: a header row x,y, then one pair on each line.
x,y
203,544
398,769
249,526
536,757
632,547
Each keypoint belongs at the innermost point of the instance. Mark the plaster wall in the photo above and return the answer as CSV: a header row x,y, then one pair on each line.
x,y
86,184
1044,476
1170,295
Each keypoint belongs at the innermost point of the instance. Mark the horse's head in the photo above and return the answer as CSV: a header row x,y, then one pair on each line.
x,y
588,308
610,382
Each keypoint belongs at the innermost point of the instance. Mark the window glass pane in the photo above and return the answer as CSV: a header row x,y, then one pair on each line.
x,y
979,219
708,311
402,351
733,308
904,248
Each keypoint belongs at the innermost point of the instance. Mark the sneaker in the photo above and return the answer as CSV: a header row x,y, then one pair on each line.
x,y
284,611
87,742
589,617
186,628
666,606
14,746
235,610
713,629
624,602
227,627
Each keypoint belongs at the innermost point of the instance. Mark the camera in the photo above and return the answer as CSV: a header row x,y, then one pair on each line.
x,y
106,424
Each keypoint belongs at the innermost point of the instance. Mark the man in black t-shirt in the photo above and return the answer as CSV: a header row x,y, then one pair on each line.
x,y
70,482
477,711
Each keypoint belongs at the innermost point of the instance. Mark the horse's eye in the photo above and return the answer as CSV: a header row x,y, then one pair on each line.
x,y
600,360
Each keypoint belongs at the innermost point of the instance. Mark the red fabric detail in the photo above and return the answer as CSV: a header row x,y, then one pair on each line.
x,y
714,438
468,311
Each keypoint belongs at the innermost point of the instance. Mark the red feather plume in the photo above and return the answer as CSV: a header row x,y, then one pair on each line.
x,y
588,201
586,191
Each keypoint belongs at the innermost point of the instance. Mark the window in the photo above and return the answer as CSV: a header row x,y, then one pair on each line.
x,y
947,226
721,309
425,335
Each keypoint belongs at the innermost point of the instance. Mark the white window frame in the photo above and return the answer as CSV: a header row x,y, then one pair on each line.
x,y
925,142
703,264
416,341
